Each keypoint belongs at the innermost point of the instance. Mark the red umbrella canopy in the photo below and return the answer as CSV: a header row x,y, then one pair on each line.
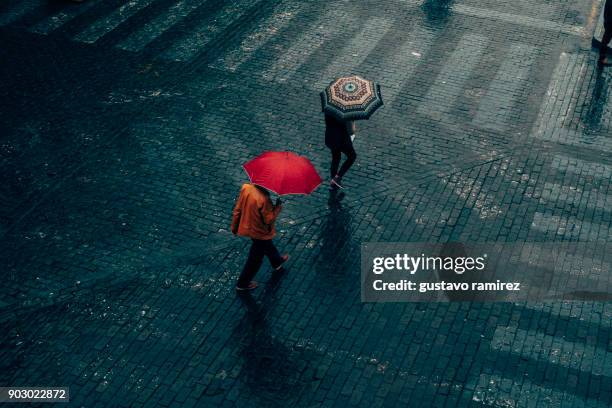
x,y
283,173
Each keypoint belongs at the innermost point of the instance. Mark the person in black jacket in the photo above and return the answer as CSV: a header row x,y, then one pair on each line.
x,y
339,139
607,34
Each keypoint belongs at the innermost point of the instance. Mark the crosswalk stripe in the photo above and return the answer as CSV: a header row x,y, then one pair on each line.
x,y
280,17
500,391
105,25
577,166
449,84
575,310
495,108
537,346
559,102
138,40
355,52
409,55
17,10
553,193
570,227
57,20
191,44
332,20
526,21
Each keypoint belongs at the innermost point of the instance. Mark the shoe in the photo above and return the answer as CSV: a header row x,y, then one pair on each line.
x,y
252,285
285,259
336,182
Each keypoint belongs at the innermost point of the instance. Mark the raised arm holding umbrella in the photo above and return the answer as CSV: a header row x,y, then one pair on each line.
x,y
254,214
344,101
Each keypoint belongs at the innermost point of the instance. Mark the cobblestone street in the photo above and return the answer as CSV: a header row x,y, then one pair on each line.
x,y
123,129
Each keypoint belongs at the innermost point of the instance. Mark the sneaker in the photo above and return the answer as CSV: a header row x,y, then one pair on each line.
x,y
285,259
336,182
252,285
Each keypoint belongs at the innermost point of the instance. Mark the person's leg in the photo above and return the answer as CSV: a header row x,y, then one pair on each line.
x,y
273,255
604,43
253,263
335,163
351,156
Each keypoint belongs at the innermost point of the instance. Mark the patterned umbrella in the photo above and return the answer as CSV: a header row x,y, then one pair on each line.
x,y
283,173
351,98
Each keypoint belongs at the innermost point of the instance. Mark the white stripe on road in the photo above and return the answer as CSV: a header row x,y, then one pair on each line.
x,y
332,21
518,19
57,20
538,346
448,85
105,25
17,10
553,194
355,52
560,104
572,165
191,44
495,108
570,227
138,40
499,391
398,67
280,17
591,312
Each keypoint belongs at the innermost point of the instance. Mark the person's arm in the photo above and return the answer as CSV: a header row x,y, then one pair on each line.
x,y
237,213
350,127
269,212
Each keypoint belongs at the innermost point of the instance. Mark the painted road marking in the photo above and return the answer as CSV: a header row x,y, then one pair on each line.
x,y
105,25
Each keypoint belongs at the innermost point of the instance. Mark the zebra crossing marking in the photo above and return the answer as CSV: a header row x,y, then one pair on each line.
x,y
194,42
537,346
326,26
138,40
105,25
280,17
554,193
518,19
577,166
355,52
570,227
495,108
17,10
408,57
501,391
572,310
52,23
449,84
559,102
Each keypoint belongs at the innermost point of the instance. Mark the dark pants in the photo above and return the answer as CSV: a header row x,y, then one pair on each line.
x,y
604,42
259,249
351,156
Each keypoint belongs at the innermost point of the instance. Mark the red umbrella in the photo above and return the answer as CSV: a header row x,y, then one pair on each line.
x,y
283,173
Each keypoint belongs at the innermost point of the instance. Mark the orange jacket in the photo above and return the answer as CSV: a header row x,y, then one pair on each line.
x,y
254,214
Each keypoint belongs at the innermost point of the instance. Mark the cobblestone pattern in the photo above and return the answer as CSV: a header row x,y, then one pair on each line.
x,y
119,269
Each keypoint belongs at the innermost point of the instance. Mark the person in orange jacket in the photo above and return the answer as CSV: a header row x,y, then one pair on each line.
x,y
253,217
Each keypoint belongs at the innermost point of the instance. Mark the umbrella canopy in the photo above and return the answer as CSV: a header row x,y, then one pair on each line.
x,y
351,98
283,173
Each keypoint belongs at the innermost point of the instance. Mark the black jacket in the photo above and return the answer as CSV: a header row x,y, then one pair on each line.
x,y
336,133
608,15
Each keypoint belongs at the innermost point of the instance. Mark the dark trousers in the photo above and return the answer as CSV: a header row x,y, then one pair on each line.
x,y
351,156
259,249
604,42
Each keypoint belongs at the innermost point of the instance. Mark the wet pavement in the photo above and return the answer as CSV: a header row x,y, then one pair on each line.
x,y
124,125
